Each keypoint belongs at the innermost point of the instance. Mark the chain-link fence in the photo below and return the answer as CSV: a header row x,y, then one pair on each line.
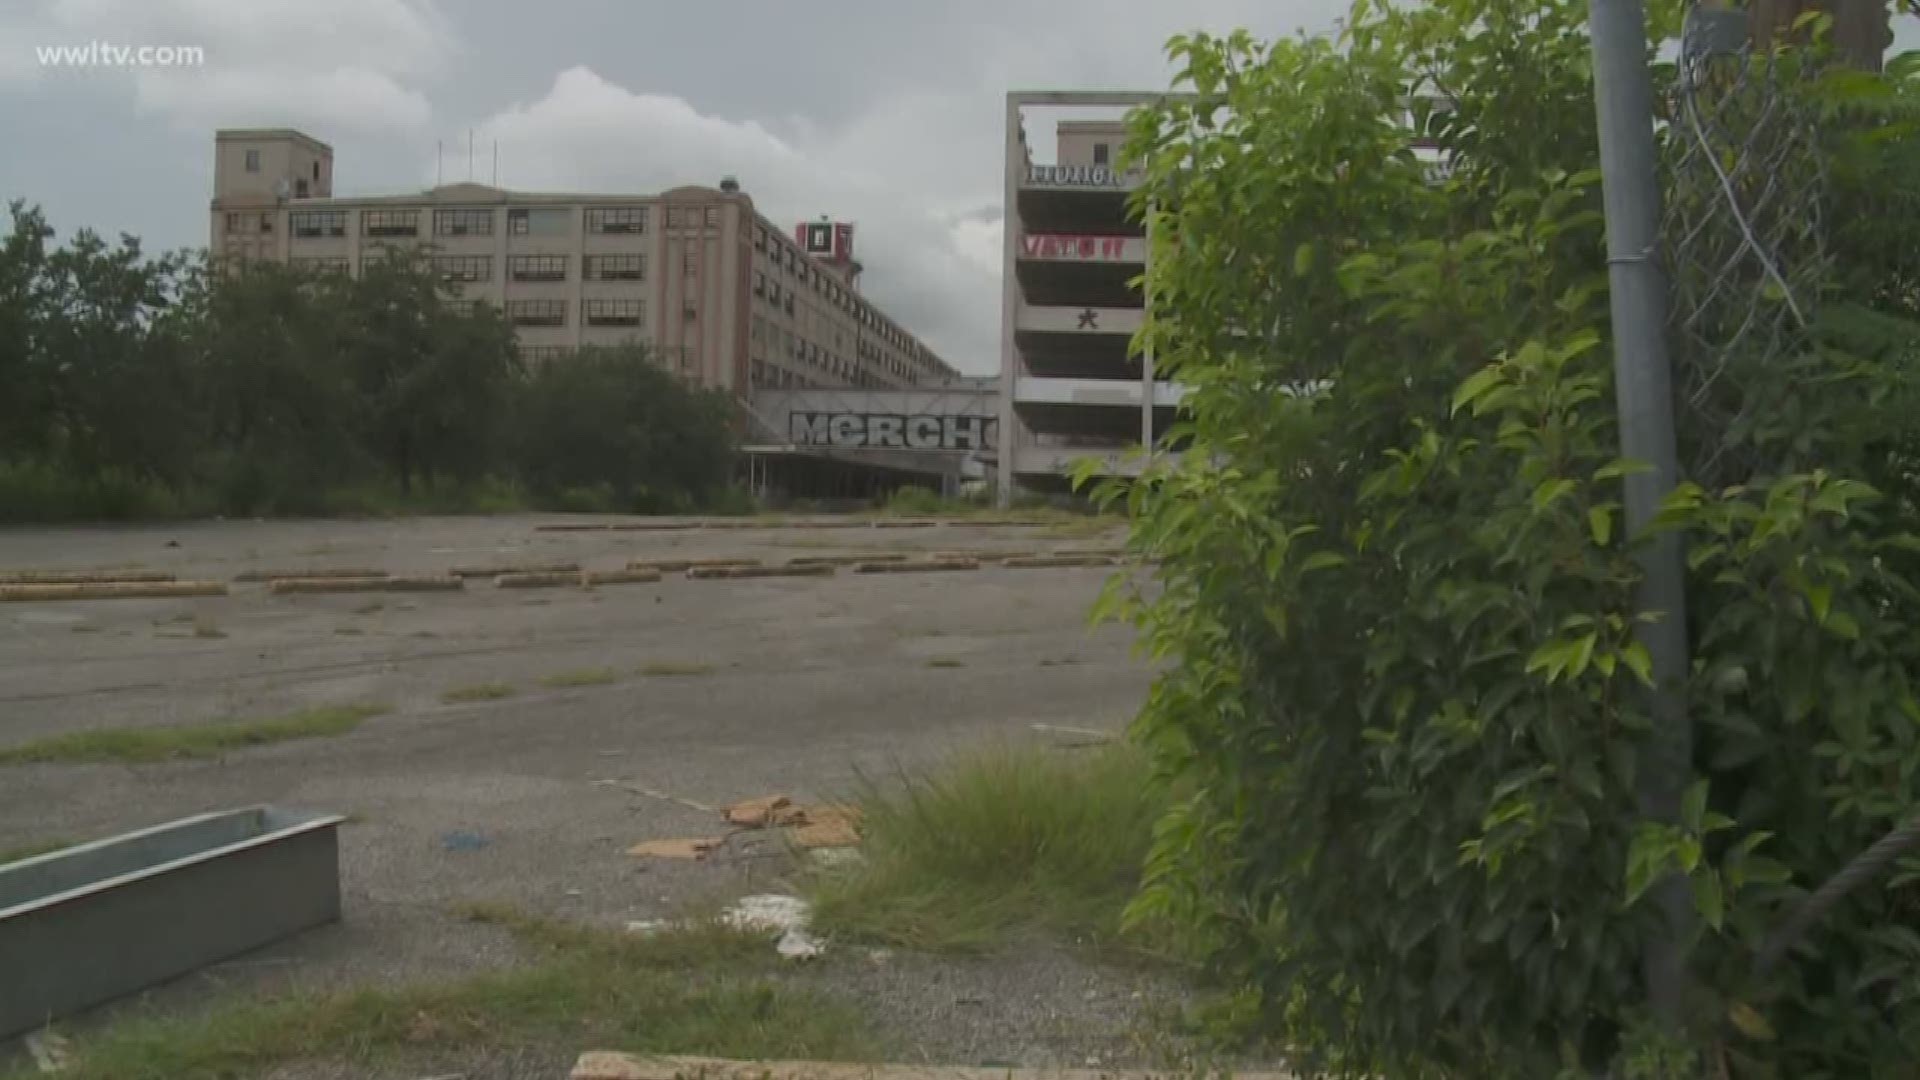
x,y
1743,236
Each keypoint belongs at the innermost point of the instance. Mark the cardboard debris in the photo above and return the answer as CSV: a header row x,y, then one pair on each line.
x,y
828,827
695,848
758,813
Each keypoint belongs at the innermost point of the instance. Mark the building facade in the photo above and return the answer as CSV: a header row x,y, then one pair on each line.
x,y
1071,385
723,295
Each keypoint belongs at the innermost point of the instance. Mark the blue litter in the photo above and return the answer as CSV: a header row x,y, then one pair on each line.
x,y
461,840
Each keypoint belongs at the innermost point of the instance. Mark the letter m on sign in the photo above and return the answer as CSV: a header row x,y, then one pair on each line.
x,y
807,429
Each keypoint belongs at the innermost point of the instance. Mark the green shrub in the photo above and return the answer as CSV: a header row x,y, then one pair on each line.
x,y
1406,693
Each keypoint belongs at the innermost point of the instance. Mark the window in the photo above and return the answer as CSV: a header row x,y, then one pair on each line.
x,y
690,261
617,219
319,265
374,256
464,267
300,188
537,312
318,222
537,268
538,354
253,161
759,238
390,223
543,221
759,283
773,291
462,308
266,223
233,224
316,170
613,312
616,267
788,301
713,217
1099,153
463,222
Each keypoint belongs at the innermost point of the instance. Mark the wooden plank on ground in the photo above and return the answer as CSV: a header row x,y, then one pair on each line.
x,y
79,577
610,1065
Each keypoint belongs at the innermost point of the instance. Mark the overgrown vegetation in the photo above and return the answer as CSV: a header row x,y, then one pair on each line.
x,y
561,680
1406,699
491,691
698,990
994,843
152,387
187,741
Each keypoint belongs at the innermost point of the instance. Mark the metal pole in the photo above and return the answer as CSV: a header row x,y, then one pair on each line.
x,y
1623,98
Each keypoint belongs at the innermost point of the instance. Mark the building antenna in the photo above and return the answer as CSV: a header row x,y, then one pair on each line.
x,y
496,163
469,154
439,162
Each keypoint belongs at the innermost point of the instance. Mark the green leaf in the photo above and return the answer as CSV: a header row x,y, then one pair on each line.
x,y
1600,524
1475,385
1750,1023
1708,900
1634,655
1548,491
1322,560
1302,260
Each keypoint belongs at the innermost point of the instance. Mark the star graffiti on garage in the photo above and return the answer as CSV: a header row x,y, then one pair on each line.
x,y
1089,320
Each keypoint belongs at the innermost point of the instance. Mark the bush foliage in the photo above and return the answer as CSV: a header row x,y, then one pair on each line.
x,y
138,386
1397,591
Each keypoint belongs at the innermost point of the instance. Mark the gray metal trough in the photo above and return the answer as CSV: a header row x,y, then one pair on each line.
x,y
90,923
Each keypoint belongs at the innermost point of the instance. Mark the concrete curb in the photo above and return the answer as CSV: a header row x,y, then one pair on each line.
x,y
109,590
629,576
609,1065
841,560
516,568
353,585
703,573
922,566
80,577
676,565
309,574
537,579
1035,562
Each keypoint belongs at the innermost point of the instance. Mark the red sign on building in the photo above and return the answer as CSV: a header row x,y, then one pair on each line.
x,y
1090,248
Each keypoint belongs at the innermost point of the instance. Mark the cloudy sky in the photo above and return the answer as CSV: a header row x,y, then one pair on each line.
x,y
884,112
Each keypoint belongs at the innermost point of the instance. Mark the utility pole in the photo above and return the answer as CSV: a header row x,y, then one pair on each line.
x,y
1623,101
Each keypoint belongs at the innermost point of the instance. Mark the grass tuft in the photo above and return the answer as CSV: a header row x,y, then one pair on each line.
x,y
492,691
561,680
663,669
994,843
193,741
694,991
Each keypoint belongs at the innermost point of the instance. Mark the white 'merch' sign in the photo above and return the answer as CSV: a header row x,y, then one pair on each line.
x,y
892,431
1090,248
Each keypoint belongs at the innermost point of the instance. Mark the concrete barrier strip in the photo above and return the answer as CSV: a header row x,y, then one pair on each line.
x,y
516,568
611,1065
915,566
380,584
109,590
79,577
700,573
1033,562
543,579
676,565
629,576
309,574
842,560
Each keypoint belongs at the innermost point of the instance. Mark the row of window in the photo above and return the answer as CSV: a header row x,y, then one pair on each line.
x,y
479,268
799,266
593,312
459,221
